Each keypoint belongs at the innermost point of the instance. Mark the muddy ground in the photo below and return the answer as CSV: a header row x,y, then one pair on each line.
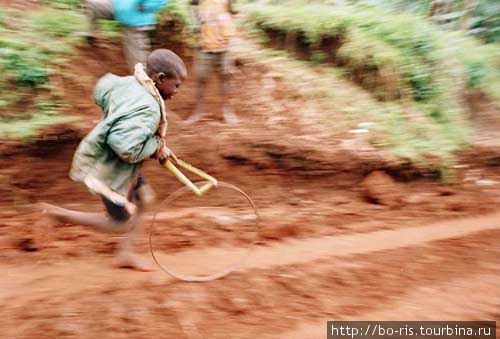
x,y
336,243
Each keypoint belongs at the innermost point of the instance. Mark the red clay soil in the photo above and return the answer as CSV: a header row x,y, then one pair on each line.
x,y
58,280
21,4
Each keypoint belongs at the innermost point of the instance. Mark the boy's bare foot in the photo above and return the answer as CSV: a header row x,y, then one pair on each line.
x,y
44,207
45,224
127,260
229,116
50,211
47,210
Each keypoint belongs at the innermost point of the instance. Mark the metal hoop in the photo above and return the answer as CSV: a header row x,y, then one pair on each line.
x,y
210,277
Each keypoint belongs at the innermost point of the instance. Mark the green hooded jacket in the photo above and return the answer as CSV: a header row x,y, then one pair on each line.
x,y
115,149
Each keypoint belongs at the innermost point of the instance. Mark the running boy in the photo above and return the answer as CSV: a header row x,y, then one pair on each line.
x,y
109,158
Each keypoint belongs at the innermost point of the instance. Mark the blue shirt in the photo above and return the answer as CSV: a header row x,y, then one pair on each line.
x,y
127,12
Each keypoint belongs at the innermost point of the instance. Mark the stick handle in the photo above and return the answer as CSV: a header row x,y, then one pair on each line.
x,y
205,188
198,172
185,180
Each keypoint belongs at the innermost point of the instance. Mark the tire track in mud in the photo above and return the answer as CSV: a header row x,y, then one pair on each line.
x,y
255,301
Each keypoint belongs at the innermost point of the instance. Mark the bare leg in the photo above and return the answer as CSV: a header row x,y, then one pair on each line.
x,y
125,256
199,111
136,44
224,69
203,66
96,221
228,113
94,10
130,229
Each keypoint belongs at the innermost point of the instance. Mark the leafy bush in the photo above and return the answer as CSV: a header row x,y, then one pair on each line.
x,y
111,29
398,46
63,4
483,22
3,18
31,46
25,70
413,49
178,9
56,23
476,72
420,70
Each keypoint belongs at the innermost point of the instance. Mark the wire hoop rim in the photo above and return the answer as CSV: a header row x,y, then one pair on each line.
x,y
214,276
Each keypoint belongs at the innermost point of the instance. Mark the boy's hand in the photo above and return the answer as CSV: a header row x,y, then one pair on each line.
x,y
131,208
167,154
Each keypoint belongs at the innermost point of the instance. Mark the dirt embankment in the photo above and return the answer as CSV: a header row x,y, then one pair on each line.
x,y
274,156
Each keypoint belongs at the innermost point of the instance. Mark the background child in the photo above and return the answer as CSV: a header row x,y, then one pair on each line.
x,y
215,31
138,19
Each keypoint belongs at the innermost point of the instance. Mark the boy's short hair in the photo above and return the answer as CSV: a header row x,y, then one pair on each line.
x,y
166,61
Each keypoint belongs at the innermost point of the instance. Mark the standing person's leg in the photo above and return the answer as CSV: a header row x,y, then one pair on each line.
x,y
136,44
224,70
203,66
97,9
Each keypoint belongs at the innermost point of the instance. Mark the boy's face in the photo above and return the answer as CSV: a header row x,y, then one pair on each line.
x,y
168,87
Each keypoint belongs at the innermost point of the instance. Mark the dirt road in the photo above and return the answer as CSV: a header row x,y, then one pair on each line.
x,y
440,271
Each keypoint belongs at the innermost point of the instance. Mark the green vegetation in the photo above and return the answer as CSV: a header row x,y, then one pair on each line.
x,y
179,10
63,4
32,48
398,127
481,21
110,29
419,72
485,21
400,47
412,74
176,19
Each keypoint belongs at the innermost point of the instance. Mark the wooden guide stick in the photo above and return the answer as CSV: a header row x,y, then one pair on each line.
x,y
185,180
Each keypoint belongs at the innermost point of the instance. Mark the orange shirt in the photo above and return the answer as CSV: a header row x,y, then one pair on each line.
x,y
216,25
